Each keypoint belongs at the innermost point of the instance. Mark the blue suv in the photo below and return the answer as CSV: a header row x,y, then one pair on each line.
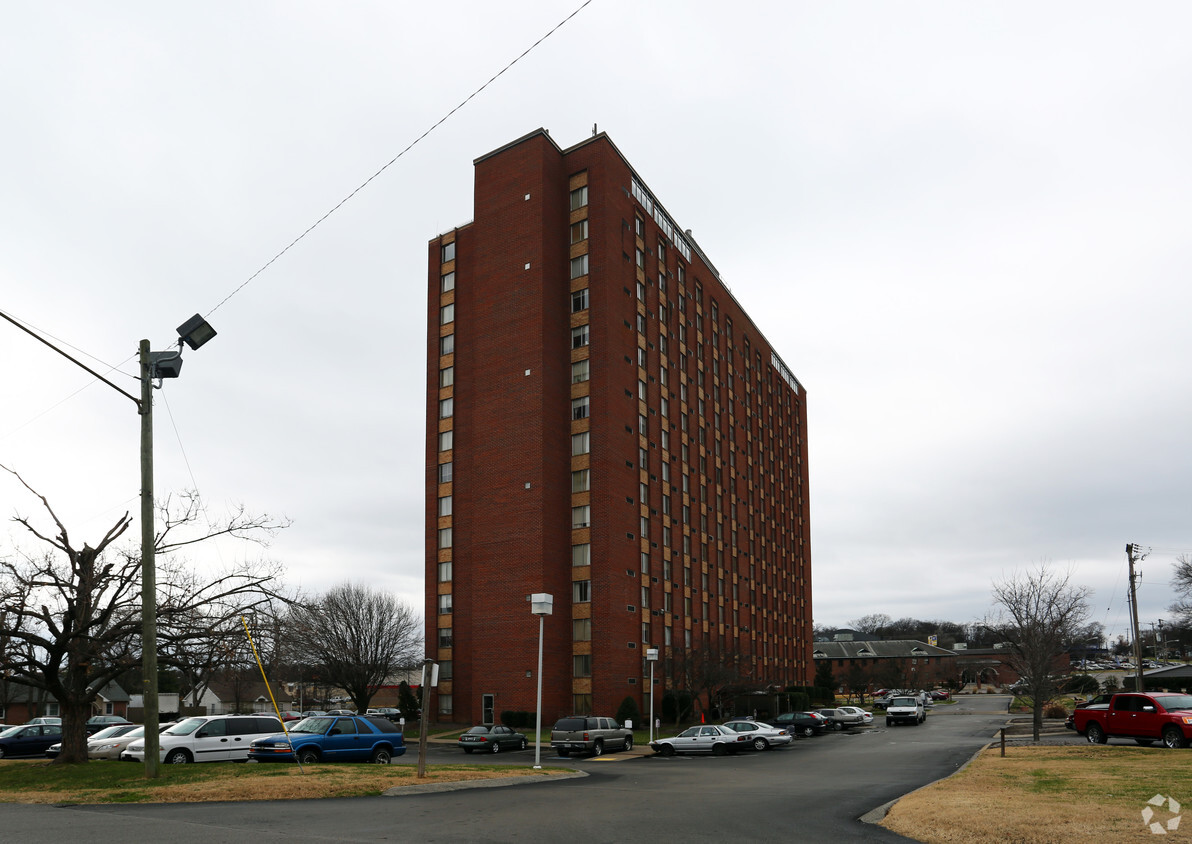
x,y
333,738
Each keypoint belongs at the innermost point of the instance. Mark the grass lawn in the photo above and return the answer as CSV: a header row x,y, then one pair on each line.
x,y
1048,794
37,781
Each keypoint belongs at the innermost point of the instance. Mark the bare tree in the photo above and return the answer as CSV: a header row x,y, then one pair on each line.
x,y
873,624
1039,614
359,635
71,615
1181,582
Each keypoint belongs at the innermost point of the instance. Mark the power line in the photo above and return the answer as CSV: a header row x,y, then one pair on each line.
x,y
393,160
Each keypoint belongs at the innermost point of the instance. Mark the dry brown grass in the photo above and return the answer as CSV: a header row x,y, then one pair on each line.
x,y
1050,795
207,783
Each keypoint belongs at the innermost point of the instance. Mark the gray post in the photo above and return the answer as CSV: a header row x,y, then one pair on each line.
x,y
538,707
426,663
148,571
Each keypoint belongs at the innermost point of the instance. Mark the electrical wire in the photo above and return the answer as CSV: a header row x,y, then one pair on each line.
x,y
395,158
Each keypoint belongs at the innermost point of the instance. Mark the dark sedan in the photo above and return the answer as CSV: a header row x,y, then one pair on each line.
x,y
492,739
331,738
799,723
29,740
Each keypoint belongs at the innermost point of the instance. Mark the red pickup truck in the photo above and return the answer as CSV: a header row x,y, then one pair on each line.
x,y
1159,716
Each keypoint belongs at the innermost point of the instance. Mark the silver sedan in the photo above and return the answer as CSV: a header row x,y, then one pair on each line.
x,y
707,738
760,736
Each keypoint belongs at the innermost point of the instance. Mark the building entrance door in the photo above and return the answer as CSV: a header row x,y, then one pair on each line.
x,y
487,704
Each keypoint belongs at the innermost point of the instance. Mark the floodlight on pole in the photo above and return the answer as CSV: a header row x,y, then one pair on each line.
x,y
541,605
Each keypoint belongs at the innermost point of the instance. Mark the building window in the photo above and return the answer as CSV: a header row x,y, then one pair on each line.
x,y
641,324
581,591
445,705
581,630
446,438
579,336
641,357
579,408
581,516
579,300
579,198
447,344
580,443
641,292
445,638
580,482
579,266
581,555
581,665
661,252
448,252
641,259
446,282
445,572
447,376
447,314
445,669
639,226
579,231
579,371
645,563
445,472
444,538
581,704
444,506
446,408
445,604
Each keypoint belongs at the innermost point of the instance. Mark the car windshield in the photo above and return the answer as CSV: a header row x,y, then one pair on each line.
x,y
313,726
109,732
1171,702
185,728
903,701
480,731
11,731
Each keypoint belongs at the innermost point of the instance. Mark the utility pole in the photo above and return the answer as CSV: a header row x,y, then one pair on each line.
x,y
1131,549
148,571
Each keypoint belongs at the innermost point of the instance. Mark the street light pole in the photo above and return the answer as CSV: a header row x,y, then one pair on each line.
x,y
148,571
541,605
651,657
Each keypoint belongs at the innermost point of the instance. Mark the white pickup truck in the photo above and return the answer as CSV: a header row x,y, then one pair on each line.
x,y
905,709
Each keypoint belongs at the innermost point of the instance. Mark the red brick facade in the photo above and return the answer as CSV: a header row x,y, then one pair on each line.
x,y
605,425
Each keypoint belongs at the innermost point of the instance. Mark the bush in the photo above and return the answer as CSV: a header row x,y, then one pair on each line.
x,y
676,706
628,711
1055,710
1082,684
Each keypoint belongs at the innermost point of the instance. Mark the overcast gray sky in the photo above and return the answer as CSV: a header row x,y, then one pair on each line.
x,y
964,226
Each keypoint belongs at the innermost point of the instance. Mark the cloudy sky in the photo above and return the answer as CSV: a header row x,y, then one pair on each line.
x,y
964,226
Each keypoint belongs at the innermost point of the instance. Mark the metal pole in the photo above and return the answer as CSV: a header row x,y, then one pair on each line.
x,y
538,706
651,701
148,571
426,663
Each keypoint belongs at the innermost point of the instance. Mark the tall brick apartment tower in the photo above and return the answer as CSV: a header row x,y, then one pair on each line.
x,y
604,424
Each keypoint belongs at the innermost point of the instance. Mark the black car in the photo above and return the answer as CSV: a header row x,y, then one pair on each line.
x,y
491,739
101,722
29,740
799,723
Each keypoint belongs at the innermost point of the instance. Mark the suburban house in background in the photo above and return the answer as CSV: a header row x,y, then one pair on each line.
x,y
19,704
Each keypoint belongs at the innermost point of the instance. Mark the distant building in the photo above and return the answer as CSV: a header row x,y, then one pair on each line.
x,y
903,663
19,704
607,425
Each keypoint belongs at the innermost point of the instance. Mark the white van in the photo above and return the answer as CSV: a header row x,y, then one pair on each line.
x,y
208,738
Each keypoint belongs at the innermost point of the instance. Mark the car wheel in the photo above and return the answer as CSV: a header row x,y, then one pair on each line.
x,y
667,750
496,747
381,756
310,756
719,749
628,743
177,757
808,732
1172,737
889,722
760,743
598,748
524,744
2,752
1096,735
467,750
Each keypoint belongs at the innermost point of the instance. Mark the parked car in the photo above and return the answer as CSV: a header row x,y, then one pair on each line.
x,y
45,719
29,739
332,738
392,713
941,694
760,736
208,738
104,736
340,712
799,723
705,738
866,717
98,722
589,734
1147,718
841,718
289,715
310,713
905,709
492,739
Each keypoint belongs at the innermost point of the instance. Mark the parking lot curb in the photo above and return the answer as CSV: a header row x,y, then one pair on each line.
x,y
499,782
878,814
